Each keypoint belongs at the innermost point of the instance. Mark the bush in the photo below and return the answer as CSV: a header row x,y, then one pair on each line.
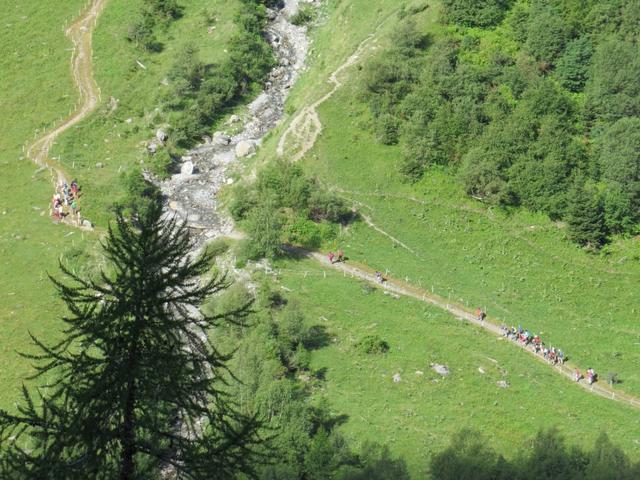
x,y
218,247
303,16
242,202
475,13
304,233
372,345
160,163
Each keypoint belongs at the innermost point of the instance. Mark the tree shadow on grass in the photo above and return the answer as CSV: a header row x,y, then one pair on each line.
x,y
318,338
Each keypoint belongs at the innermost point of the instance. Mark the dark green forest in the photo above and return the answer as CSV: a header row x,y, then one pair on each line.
x,y
528,103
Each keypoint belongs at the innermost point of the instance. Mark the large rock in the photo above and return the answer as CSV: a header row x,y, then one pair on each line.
x,y
152,147
187,169
245,148
221,139
161,135
440,369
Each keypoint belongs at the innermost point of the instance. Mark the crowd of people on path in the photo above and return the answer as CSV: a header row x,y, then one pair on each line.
x,y
336,257
65,202
523,337
553,355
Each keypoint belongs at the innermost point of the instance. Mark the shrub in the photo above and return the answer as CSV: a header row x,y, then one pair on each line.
x,y
303,16
372,345
218,247
160,163
305,233
242,202
475,13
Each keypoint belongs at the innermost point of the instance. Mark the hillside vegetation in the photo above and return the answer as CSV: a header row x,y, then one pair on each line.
x,y
531,103
37,91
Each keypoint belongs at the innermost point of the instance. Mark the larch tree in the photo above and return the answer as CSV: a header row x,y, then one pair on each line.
x,y
135,386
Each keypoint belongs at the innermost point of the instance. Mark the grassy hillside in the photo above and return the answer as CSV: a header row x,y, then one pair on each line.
x,y
516,264
113,135
417,416
35,65
37,90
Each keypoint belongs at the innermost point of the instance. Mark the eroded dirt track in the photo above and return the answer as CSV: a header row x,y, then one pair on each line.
x,y
399,287
80,33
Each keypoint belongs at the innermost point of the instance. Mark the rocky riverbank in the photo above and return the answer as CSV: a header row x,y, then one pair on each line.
x,y
191,194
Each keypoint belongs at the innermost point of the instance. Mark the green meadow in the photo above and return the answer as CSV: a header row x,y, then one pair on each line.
x,y
37,92
517,265
131,82
417,415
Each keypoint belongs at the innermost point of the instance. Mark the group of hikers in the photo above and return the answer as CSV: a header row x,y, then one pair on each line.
x,y
553,355
336,257
65,201
523,337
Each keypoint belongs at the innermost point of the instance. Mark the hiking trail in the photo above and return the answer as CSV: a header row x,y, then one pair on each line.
x,y
405,289
80,33
306,125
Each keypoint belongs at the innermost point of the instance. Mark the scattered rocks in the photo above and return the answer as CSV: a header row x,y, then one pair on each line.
x,y
213,159
419,372
245,148
86,224
161,135
152,147
129,120
481,370
502,384
396,378
100,165
187,169
221,139
440,369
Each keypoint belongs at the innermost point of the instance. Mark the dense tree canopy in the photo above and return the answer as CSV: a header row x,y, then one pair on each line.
x,y
519,112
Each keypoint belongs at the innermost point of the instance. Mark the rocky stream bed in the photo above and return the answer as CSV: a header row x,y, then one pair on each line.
x,y
191,194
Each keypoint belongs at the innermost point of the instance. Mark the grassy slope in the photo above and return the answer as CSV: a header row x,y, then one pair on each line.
x,y
37,90
417,416
518,265
106,137
515,264
35,66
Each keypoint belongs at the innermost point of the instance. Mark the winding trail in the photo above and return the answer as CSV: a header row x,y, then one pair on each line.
x,y
305,128
301,135
80,33
405,289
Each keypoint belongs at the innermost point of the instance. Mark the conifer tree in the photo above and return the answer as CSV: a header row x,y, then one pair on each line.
x,y
585,216
135,385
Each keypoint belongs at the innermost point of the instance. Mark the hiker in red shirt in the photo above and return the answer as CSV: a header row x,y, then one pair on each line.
x,y
331,256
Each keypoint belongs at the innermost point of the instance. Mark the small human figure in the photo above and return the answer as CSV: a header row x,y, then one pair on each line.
x,y
340,256
591,375
74,207
577,375
560,357
331,256
479,314
379,277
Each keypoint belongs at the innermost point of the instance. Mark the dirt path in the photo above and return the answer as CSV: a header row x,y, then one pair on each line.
x,y
398,287
304,129
79,32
